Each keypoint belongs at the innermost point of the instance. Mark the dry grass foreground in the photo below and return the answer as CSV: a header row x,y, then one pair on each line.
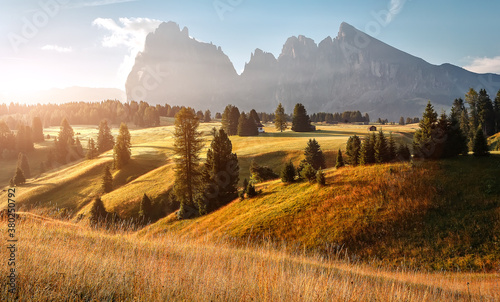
x,y
60,261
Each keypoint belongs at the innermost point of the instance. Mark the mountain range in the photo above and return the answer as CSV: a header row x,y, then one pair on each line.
x,y
352,71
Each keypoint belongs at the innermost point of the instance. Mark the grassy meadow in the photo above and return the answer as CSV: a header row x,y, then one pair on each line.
x,y
420,231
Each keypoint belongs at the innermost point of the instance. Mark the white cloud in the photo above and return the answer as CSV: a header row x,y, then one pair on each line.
x,y
128,32
484,65
57,48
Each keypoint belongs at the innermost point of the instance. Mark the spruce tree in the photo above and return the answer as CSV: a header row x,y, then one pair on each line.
x,y
314,155
78,147
97,213
403,152
64,142
22,163
340,160
280,118
121,151
18,178
91,149
234,117
353,150
145,208
37,129
391,147
187,146
253,114
301,121
288,173
381,149
220,174
480,147
308,173
320,178
105,140
423,143
207,116
107,180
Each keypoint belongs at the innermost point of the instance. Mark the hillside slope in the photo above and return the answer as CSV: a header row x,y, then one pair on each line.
x,y
394,214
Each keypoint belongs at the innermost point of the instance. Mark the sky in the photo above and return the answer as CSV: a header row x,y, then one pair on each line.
x,y
93,43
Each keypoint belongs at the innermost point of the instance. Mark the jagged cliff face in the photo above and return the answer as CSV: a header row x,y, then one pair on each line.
x,y
176,69
353,71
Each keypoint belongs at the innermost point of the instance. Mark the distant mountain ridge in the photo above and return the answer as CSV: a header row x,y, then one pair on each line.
x,y
352,71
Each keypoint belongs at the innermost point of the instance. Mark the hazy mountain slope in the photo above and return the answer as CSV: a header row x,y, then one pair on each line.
x,y
352,71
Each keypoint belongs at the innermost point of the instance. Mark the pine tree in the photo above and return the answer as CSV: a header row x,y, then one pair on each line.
x,y
402,121
18,178
353,150
423,142
220,174
381,149
308,173
105,140
391,145
187,146
320,178
340,160
480,147
367,150
280,118
251,192
404,153
91,149
78,147
145,209
253,114
64,142
37,128
121,151
22,163
107,180
301,121
234,117
288,173
207,116
97,213
314,155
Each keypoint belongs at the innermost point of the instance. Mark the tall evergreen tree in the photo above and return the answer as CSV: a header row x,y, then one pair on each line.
x,y
105,140
353,150
314,155
253,114
247,126
91,149
381,149
107,180
18,178
121,151
97,213
367,150
37,129
497,112
234,117
187,146
340,160
207,117
402,121
288,173
423,143
280,119
471,97
480,147
391,148
64,142
301,121
220,173
404,153
145,208
22,162
78,147
486,113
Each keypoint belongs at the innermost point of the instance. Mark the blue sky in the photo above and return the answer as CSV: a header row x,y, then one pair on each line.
x,y
63,43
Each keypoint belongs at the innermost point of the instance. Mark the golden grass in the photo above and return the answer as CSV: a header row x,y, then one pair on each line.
x,y
64,262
